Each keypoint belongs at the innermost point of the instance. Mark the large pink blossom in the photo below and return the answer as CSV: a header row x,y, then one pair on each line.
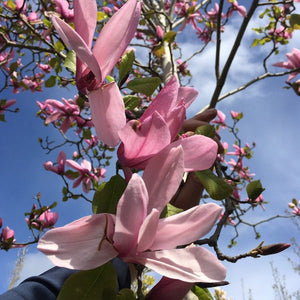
x,y
107,107
137,234
59,168
292,63
157,130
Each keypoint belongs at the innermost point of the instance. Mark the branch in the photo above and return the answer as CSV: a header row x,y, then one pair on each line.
x,y
221,81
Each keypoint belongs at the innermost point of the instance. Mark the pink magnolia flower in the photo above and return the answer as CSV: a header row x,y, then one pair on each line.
x,y
292,63
7,234
68,111
220,119
6,105
137,234
236,7
85,174
48,218
62,8
107,107
59,168
157,130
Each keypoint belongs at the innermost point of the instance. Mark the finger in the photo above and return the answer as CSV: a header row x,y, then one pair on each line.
x,y
192,124
207,115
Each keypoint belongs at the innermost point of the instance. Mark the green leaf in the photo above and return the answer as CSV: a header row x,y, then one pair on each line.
x,y
59,46
202,294
159,51
50,82
2,118
100,283
87,134
126,65
170,36
255,43
70,61
13,66
11,4
254,189
216,187
145,86
101,16
170,210
106,199
131,101
126,294
206,130
295,21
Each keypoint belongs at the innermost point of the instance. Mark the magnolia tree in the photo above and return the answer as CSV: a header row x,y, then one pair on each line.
x,y
132,94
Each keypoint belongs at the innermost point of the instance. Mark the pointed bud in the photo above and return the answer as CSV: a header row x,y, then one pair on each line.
x,y
274,248
159,33
1,222
7,234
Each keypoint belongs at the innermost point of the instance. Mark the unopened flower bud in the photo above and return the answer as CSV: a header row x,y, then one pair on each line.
x,y
159,33
1,222
7,234
274,248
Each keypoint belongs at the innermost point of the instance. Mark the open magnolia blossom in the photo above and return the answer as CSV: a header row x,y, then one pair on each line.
x,y
106,102
137,234
158,127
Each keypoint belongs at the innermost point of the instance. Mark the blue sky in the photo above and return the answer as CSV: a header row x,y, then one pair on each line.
x,y
271,116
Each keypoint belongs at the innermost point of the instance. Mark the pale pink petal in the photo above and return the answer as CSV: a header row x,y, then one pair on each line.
x,y
86,164
169,289
186,227
85,19
164,101
73,164
188,94
108,113
192,264
162,177
200,152
148,231
75,42
116,35
175,119
142,141
131,212
81,244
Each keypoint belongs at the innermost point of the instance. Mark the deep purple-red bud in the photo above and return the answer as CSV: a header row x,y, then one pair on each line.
x,y
274,248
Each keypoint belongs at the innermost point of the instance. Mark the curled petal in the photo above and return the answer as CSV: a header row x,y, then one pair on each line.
x,y
75,42
116,35
200,152
81,245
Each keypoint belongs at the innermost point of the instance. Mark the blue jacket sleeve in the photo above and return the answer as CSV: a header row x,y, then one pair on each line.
x,y
47,285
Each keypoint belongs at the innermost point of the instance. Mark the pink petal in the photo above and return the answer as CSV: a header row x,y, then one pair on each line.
x,y
81,244
131,212
148,231
188,94
73,164
186,227
200,152
142,142
192,264
169,289
75,42
116,35
164,101
162,177
108,113
85,19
